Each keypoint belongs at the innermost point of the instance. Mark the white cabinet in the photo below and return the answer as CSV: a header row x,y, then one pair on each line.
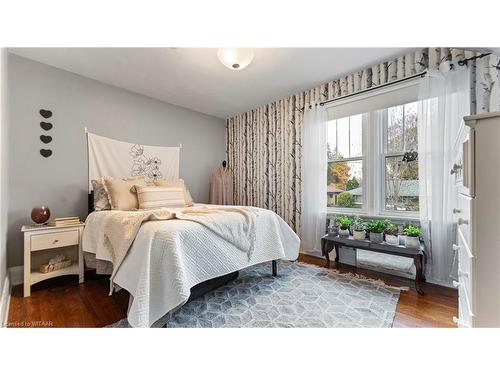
x,y
476,173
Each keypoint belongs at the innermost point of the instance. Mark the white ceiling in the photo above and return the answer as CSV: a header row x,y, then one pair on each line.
x,y
195,79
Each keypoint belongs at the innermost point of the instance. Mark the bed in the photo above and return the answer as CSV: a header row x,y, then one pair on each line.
x,y
167,258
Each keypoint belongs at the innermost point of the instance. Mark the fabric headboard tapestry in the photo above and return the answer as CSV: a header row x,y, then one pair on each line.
x,y
110,157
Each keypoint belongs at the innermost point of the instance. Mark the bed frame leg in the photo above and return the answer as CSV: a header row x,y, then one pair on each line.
x,y
275,268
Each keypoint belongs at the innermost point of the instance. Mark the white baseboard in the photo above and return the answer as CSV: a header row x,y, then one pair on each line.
x,y
5,301
16,275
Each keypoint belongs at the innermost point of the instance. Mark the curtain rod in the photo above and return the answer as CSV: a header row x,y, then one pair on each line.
x,y
419,75
465,61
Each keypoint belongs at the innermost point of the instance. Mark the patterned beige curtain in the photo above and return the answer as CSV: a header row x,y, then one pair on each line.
x,y
264,145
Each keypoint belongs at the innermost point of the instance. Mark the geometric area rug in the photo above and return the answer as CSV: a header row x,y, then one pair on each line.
x,y
302,295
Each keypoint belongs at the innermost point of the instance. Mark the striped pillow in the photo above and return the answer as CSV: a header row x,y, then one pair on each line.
x,y
158,196
178,182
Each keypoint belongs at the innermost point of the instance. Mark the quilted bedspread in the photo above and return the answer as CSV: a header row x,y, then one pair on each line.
x,y
168,257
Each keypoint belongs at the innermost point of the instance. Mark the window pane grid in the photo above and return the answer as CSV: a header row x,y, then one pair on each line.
x,y
400,182
345,163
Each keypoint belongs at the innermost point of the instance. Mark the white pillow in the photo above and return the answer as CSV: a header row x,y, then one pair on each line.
x,y
150,197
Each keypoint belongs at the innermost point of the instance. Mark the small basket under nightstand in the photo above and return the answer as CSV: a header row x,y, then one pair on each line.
x,y
42,242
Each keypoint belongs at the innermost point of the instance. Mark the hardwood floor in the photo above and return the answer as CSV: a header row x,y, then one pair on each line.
x,y
62,302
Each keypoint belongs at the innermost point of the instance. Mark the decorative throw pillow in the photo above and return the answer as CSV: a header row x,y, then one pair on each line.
x,y
158,196
119,192
101,200
177,183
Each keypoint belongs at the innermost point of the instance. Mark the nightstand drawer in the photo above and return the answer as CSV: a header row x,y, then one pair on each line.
x,y
53,240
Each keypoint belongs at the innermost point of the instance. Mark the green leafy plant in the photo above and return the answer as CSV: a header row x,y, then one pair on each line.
x,y
391,229
345,222
334,221
345,199
412,231
376,226
358,224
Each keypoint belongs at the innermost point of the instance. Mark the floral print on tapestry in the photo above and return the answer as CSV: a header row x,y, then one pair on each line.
x,y
143,165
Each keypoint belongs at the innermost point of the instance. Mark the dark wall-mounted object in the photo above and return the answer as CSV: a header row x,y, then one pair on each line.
x,y
45,113
46,138
45,153
46,125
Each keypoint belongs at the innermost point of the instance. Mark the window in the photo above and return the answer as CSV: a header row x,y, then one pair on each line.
x,y
345,163
400,159
373,162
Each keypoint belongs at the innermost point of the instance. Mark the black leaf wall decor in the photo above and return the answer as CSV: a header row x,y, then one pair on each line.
x,y
45,113
46,138
45,153
46,125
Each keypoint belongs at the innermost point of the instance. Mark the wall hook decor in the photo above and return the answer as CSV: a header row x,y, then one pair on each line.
x,y
45,113
45,153
46,138
46,125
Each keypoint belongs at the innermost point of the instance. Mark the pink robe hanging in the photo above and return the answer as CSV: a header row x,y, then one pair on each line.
x,y
221,187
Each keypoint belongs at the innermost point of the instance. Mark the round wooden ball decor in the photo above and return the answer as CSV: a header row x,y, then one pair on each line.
x,y
40,215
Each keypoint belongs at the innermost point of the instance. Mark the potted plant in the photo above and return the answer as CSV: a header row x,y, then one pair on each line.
x,y
358,229
376,229
333,226
412,233
345,223
391,234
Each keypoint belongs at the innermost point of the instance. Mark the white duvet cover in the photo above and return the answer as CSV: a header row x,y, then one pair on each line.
x,y
168,258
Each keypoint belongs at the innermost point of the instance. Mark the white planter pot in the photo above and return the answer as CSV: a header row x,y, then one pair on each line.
x,y
359,234
376,237
392,239
344,233
413,242
333,231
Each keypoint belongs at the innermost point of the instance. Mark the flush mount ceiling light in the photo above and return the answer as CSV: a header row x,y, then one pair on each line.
x,y
235,58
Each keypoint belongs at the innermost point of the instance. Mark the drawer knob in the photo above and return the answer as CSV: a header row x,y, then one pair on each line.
x,y
455,168
456,320
462,221
456,284
456,247
55,241
456,211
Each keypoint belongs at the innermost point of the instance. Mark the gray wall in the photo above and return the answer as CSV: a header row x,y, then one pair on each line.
x,y
60,181
4,175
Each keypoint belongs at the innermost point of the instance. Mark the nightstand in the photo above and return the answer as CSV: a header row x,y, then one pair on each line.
x,y
42,243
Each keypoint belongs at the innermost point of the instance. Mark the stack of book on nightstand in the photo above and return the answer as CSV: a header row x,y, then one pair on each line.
x,y
64,221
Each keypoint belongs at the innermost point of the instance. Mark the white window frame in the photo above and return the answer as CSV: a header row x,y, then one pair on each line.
x,y
374,155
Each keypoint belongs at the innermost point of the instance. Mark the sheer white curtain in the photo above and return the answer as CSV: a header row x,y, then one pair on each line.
x,y
444,99
314,169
